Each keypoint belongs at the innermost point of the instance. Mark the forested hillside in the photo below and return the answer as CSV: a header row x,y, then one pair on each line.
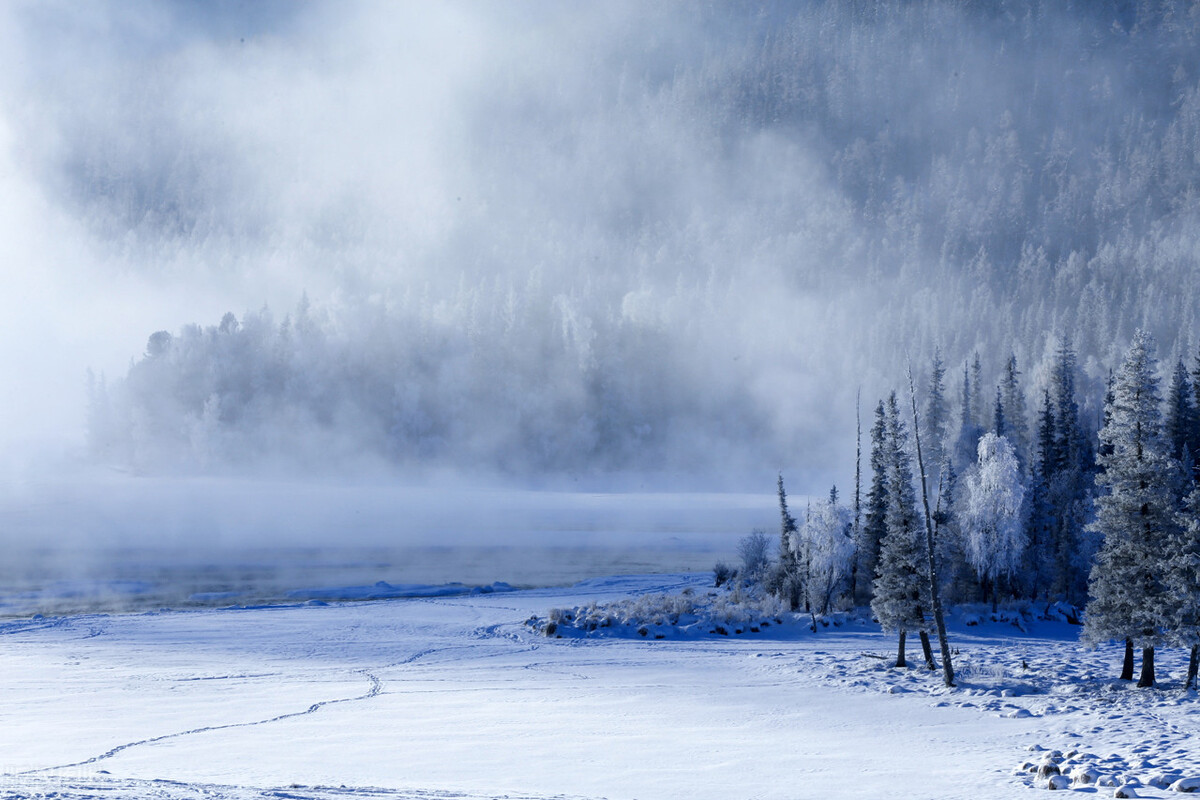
x,y
674,238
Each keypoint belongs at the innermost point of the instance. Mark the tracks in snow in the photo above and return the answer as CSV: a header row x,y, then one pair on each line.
x,y
376,686
103,787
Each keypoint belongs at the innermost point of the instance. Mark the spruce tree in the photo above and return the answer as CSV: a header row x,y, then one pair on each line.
x,y
1013,403
998,423
1039,521
1136,514
786,580
898,588
875,524
1069,471
978,401
1184,581
1180,419
969,430
936,415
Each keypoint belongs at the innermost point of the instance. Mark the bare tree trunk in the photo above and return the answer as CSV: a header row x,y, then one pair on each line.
x,y
1127,666
927,650
1193,666
900,662
1146,681
934,592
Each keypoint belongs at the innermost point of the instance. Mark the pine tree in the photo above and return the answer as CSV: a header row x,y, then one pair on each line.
x,y
1180,420
875,524
1039,521
998,422
786,580
978,403
969,430
898,588
1069,471
1013,403
936,414
1136,515
1184,581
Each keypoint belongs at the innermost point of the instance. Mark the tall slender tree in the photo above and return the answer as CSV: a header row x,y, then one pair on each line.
x,y
1069,471
1039,521
1184,577
875,522
935,594
936,416
786,581
899,588
1013,402
1179,422
1136,514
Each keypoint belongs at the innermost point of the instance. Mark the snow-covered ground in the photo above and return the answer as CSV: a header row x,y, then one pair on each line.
x,y
459,697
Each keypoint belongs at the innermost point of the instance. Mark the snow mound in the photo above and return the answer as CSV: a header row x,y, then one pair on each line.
x,y
1186,785
735,611
1089,772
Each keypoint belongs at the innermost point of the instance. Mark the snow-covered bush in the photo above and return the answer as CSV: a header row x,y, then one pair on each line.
x,y
825,546
740,609
755,552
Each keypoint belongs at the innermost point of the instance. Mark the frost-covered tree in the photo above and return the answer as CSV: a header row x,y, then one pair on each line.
x,y
1180,421
875,523
969,430
827,549
900,579
1135,514
1012,402
785,580
1068,469
978,401
1184,583
1039,519
995,494
936,415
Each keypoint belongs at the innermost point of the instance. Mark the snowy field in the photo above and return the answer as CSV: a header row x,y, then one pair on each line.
x,y
461,697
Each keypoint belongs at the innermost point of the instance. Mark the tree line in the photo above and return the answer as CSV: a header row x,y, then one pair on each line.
x,y
1037,507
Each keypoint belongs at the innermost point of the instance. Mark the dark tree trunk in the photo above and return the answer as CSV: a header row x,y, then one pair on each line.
x,y
1127,666
1146,681
927,649
1193,667
900,662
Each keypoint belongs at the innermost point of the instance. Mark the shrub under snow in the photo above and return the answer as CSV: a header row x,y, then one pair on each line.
x,y
739,609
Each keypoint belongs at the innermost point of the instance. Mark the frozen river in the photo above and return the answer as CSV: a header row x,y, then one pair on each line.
x,y
116,542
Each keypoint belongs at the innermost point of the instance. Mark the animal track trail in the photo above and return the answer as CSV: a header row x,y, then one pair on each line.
x,y
376,687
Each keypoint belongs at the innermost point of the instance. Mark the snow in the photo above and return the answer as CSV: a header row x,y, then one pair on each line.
x,y
457,696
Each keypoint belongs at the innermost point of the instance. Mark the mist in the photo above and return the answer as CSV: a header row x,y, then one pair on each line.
x,y
615,247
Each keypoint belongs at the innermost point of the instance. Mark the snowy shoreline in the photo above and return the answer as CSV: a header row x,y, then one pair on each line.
x,y
459,696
